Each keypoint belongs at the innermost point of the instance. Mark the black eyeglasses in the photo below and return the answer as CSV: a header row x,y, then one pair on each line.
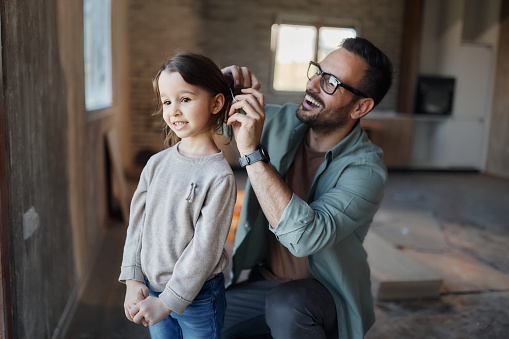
x,y
329,82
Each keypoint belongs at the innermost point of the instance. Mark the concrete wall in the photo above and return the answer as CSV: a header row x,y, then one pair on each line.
x,y
233,32
42,267
55,157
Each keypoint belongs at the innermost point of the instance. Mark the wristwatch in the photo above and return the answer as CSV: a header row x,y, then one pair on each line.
x,y
260,154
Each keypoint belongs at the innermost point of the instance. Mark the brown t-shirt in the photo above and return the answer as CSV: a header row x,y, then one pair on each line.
x,y
280,263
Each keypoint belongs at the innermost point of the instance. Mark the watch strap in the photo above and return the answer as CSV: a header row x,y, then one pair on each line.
x,y
251,158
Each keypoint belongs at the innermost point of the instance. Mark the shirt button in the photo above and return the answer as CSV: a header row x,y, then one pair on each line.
x,y
246,226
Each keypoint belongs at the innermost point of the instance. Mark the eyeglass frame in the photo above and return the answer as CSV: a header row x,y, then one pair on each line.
x,y
340,84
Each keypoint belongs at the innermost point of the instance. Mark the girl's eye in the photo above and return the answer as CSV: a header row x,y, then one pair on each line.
x,y
185,99
166,102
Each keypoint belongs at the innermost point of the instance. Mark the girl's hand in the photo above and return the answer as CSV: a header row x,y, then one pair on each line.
x,y
248,128
241,77
151,311
136,291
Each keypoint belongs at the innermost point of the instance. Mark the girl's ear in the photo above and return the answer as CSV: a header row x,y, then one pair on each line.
x,y
217,103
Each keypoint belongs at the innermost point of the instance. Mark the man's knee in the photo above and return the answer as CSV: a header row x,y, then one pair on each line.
x,y
245,311
302,307
285,305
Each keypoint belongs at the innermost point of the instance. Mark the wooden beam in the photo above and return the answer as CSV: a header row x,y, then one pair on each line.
x,y
497,162
5,264
409,66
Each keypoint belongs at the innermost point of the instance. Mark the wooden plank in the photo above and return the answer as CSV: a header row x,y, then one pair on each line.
x,y
395,275
418,230
462,272
6,321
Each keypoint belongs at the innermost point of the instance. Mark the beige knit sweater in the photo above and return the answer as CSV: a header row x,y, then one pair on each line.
x,y
179,220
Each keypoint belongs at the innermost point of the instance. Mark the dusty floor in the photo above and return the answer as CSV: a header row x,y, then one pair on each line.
x,y
473,213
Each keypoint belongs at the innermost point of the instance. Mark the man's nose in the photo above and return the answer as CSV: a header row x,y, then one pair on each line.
x,y
313,84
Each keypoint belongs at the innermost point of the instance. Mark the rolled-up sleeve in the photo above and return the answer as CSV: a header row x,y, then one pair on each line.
x,y
346,203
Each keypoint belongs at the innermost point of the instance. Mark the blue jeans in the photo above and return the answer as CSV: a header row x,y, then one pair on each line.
x,y
203,318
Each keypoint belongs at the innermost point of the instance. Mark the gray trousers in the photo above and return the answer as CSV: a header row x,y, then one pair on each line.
x,y
272,309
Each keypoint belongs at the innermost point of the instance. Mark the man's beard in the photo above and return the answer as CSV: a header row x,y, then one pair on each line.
x,y
327,120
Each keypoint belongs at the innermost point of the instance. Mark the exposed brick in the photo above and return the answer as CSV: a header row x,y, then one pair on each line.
x,y
236,32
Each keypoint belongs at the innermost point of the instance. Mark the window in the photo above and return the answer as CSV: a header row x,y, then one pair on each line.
x,y
294,45
97,53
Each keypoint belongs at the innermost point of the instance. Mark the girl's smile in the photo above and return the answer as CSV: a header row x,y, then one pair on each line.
x,y
187,110
186,107
178,125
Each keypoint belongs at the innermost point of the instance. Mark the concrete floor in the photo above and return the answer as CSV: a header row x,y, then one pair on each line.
x,y
473,213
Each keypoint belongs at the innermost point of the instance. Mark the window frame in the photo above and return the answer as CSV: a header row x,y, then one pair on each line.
x,y
100,110
304,20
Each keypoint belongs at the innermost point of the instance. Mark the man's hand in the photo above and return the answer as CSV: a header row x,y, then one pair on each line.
x,y
241,77
247,128
136,291
151,311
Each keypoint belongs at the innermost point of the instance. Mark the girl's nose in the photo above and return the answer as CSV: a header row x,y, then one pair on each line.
x,y
174,111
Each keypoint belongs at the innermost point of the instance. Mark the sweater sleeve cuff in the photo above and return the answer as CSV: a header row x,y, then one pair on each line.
x,y
173,301
131,272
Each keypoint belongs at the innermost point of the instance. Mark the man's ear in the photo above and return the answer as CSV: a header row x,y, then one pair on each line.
x,y
217,103
362,107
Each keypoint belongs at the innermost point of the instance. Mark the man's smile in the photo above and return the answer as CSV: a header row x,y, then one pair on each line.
x,y
311,102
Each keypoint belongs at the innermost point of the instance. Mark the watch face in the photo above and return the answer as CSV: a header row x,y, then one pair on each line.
x,y
264,153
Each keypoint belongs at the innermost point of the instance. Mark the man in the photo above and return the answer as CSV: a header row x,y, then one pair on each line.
x,y
315,183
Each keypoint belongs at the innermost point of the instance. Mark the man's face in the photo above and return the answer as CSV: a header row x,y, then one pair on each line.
x,y
323,112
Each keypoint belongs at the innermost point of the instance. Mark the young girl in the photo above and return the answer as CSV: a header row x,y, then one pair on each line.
x,y
182,209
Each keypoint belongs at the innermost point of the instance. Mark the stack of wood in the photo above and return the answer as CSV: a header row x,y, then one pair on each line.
x,y
396,275
410,259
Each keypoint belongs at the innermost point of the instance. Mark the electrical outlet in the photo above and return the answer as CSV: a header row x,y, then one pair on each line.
x,y
30,222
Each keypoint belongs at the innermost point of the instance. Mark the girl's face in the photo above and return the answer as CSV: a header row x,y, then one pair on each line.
x,y
186,108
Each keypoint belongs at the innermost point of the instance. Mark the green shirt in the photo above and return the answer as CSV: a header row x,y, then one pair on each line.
x,y
329,228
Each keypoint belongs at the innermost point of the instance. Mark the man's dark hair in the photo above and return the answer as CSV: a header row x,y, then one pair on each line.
x,y
378,77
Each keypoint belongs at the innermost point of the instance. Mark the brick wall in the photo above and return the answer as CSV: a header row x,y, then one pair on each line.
x,y
156,29
236,32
